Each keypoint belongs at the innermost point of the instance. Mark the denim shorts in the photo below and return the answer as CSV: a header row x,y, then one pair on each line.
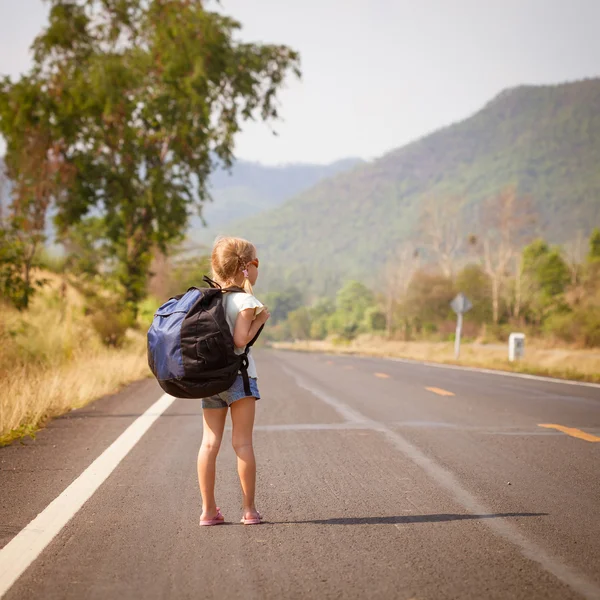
x,y
235,392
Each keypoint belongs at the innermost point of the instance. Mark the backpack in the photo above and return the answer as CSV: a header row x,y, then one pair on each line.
x,y
190,346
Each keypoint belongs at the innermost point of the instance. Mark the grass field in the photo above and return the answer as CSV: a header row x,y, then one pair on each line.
x,y
52,360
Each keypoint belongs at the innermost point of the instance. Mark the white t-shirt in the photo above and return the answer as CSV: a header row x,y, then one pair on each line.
x,y
236,302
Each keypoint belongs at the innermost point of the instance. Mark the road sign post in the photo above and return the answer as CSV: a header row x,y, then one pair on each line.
x,y
460,305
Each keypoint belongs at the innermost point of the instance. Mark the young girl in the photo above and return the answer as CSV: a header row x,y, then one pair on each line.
x,y
234,263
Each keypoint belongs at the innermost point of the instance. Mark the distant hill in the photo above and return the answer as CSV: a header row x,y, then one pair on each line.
x,y
247,190
251,188
543,139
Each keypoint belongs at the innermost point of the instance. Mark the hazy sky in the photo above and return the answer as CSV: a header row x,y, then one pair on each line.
x,y
380,73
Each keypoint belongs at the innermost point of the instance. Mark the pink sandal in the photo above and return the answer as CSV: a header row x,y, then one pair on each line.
x,y
255,521
216,521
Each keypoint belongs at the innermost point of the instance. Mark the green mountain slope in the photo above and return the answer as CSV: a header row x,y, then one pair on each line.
x,y
545,140
251,188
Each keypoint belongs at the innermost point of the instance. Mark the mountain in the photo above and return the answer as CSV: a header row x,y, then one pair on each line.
x,y
545,140
246,190
251,188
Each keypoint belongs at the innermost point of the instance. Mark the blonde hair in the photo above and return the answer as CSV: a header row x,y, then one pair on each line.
x,y
230,256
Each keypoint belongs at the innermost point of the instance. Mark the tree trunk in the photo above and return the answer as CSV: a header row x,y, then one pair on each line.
x,y
519,274
495,299
389,315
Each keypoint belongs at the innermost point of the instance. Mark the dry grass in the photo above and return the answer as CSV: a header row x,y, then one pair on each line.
x,y
51,361
565,363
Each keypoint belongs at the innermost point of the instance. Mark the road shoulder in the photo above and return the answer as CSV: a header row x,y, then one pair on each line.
x,y
34,472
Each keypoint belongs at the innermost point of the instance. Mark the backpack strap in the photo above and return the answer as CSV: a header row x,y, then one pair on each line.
x,y
213,284
246,363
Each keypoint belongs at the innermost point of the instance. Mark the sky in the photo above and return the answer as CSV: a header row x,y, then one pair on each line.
x,y
378,74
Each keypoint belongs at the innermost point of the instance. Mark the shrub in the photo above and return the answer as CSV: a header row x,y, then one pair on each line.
x,y
581,327
374,320
111,319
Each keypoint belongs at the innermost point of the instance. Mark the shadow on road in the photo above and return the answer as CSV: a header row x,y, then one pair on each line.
x,y
408,519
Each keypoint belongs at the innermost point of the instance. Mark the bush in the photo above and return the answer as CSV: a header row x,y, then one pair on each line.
x,y
580,327
374,320
318,329
111,319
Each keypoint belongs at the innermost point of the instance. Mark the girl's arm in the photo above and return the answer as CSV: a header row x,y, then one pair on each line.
x,y
247,326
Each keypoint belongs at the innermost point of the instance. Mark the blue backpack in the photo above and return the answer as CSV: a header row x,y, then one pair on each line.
x,y
190,346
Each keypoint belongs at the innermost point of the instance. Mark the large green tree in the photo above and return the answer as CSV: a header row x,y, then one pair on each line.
x,y
546,277
139,99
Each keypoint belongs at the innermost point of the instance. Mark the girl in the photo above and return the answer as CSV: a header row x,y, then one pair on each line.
x,y
234,263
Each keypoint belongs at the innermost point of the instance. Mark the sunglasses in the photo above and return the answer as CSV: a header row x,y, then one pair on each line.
x,y
254,262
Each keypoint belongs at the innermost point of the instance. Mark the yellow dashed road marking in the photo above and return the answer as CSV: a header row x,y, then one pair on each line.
x,y
576,433
439,391
382,375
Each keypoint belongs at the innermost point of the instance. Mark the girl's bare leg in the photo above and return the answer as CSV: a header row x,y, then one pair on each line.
x,y
242,417
214,423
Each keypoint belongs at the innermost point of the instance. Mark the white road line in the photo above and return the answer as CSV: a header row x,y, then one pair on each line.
x,y
580,583
27,545
488,371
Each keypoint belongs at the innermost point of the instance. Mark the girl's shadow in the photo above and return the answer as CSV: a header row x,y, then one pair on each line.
x,y
407,519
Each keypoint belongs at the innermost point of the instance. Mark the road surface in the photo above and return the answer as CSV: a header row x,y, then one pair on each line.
x,y
377,478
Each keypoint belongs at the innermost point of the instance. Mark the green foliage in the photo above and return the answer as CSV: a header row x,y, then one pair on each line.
x,y
550,303
546,266
299,322
374,320
475,284
147,308
17,286
581,326
428,299
352,302
281,304
111,319
135,100
594,253
545,278
353,299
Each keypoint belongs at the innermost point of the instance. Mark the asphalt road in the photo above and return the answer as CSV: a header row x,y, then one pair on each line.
x,y
377,478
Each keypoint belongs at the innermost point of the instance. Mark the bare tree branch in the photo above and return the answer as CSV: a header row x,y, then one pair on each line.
x,y
441,224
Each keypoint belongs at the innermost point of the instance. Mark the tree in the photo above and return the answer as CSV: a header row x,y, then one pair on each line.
x,y
594,252
353,299
573,254
282,303
547,277
142,98
442,231
320,314
299,321
475,284
506,222
428,298
397,275
36,169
